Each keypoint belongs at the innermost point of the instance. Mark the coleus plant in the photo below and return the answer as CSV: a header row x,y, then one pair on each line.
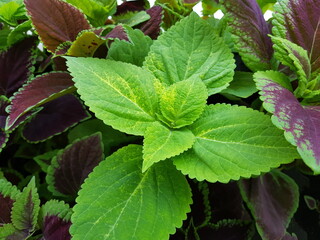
x,y
174,111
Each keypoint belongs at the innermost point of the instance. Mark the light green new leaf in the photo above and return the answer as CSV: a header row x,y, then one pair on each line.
x,y
19,32
183,102
120,94
134,51
191,49
233,142
25,209
161,143
130,204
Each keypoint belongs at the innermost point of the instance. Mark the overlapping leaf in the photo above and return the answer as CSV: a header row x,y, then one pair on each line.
x,y
242,85
120,94
135,205
301,123
233,142
56,21
299,22
273,199
191,49
251,33
8,195
152,26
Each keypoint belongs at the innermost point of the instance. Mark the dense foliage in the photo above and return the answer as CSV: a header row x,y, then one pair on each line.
x,y
137,122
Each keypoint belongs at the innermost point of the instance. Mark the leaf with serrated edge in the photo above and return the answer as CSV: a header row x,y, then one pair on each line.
x,y
276,192
183,102
134,205
124,95
191,48
26,208
161,143
250,31
233,142
301,123
42,89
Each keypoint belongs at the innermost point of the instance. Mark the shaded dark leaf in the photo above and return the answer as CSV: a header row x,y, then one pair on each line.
x,y
130,6
117,33
311,202
152,26
4,103
56,228
15,66
56,21
6,204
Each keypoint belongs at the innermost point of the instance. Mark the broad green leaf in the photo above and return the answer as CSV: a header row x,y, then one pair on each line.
x,y
26,208
233,142
19,32
296,58
191,49
183,102
11,12
130,204
132,18
161,143
133,51
97,11
242,85
120,94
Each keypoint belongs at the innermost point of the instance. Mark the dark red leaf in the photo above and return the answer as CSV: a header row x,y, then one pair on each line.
x,y
55,117
118,32
272,199
15,66
55,228
6,204
130,6
38,91
56,21
152,26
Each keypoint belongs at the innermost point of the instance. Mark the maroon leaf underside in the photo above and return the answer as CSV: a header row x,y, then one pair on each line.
x,y
247,19
56,21
55,228
302,24
76,163
6,204
152,26
130,6
35,92
55,117
302,123
272,199
15,65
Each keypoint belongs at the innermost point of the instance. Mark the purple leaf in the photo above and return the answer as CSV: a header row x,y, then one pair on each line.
x,y
301,123
55,228
6,204
299,22
118,32
40,90
73,164
272,199
56,21
311,202
55,117
152,26
130,6
251,33
289,237
15,66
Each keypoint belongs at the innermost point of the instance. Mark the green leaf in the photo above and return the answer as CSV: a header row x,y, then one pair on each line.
x,y
55,208
4,33
120,94
26,208
97,11
44,160
242,85
233,142
132,18
7,230
191,49
134,51
161,143
19,33
11,12
183,102
130,204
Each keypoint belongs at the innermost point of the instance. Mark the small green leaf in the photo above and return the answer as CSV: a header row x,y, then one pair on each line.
x,y
120,94
161,143
132,18
26,208
183,102
130,204
191,49
233,142
55,208
44,160
134,51
242,85
19,33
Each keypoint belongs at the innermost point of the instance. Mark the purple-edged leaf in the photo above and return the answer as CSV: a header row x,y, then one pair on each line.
x,y
152,26
73,164
250,31
272,199
301,123
56,21
8,195
15,66
299,22
117,33
37,92
55,117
